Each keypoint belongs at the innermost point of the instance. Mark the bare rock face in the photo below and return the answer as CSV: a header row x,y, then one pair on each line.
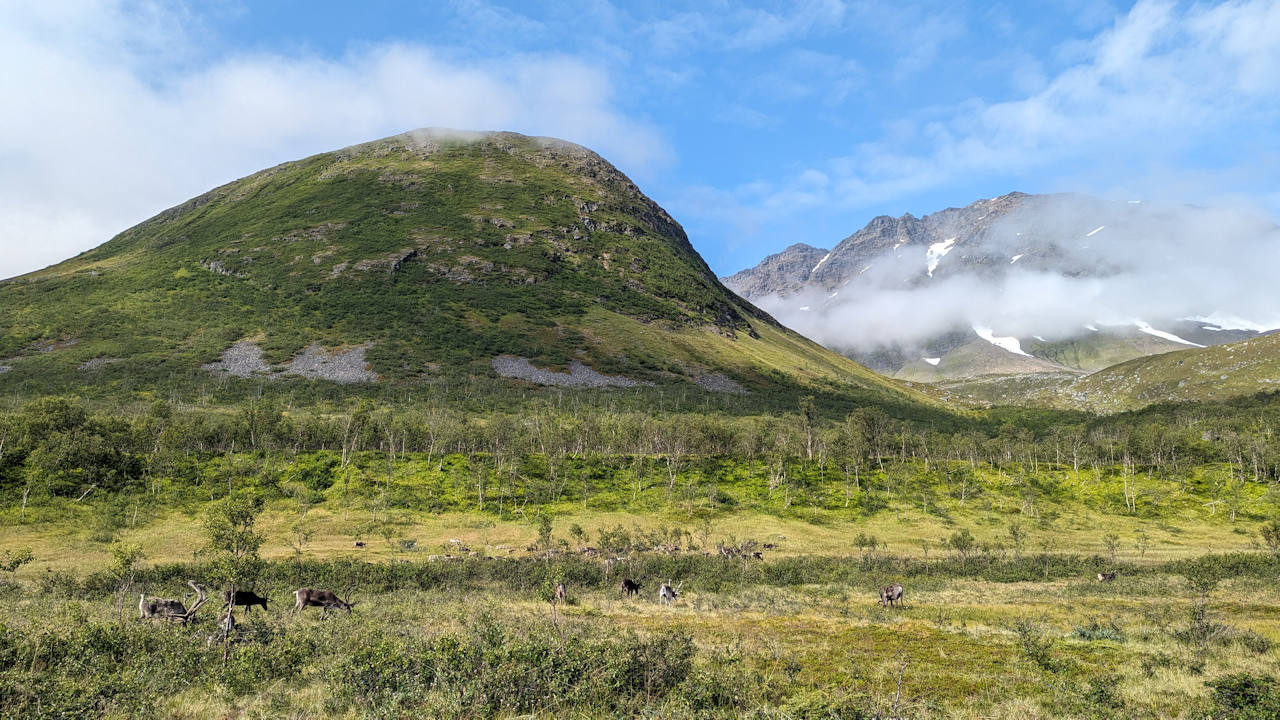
x,y
5,368
782,273
240,360
925,242
579,375
340,366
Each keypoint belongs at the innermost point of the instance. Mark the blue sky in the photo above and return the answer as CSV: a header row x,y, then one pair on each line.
x,y
755,124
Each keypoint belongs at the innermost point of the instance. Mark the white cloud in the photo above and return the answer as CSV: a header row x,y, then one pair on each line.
x,y
1163,82
112,114
1153,261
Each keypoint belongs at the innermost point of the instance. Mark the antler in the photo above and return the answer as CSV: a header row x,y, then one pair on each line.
x,y
201,599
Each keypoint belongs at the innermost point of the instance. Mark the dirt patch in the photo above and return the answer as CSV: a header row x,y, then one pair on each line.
x,y
97,363
45,346
719,382
240,360
340,366
579,375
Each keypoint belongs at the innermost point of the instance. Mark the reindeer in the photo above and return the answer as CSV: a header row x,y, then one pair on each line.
x,y
668,594
560,593
246,598
167,609
159,607
891,595
326,599
629,587
1106,577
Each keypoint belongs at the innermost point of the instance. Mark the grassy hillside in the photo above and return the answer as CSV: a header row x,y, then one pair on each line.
x,y
414,259
1211,374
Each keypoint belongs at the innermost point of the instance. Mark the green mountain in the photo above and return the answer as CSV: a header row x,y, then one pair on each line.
x,y
1214,374
1210,374
420,257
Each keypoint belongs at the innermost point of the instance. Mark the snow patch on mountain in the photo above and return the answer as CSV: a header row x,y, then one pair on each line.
x,y
1005,343
1095,231
933,361
815,267
1146,328
937,251
1015,259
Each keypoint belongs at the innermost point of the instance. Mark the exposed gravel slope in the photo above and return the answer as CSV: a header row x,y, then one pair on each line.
x,y
240,360
579,375
340,366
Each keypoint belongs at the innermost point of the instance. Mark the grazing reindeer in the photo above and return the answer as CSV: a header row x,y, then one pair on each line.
x,y
325,599
891,595
668,594
629,587
560,594
246,598
1106,577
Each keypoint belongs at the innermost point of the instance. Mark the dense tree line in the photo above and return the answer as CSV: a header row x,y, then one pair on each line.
x,y
58,446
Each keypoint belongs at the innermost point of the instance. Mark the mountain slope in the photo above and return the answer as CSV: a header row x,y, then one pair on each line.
x,y
1047,280
1213,373
427,254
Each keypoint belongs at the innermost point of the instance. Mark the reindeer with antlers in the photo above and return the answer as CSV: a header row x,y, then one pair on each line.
x,y
170,609
668,594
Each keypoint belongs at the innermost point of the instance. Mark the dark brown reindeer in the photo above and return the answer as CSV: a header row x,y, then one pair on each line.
x,y
325,599
891,595
629,587
246,598
1106,577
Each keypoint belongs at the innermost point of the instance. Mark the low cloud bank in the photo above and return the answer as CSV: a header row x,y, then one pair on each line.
x,y
1079,261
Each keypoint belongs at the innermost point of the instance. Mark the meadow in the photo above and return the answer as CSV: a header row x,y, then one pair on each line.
x,y
1003,617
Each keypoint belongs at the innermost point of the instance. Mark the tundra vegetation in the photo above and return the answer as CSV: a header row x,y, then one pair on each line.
x,y
779,528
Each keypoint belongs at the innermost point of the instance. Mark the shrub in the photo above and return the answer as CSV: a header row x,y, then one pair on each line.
x,y
1035,646
1254,642
1242,696
1099,630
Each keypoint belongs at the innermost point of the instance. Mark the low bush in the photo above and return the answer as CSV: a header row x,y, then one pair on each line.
x,y
1243,696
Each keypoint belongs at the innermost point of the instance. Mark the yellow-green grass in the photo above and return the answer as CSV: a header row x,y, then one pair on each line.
x,y
775,350
174,535
953,647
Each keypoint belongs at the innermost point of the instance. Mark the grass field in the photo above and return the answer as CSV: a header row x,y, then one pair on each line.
x,y
1013,624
